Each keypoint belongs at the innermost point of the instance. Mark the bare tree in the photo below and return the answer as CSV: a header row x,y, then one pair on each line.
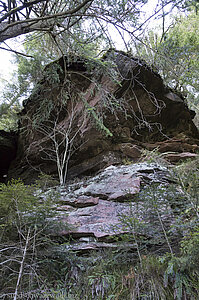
x,y
62,137
59,136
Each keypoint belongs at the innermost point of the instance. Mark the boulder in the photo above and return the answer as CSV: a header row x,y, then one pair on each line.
x,y
95,116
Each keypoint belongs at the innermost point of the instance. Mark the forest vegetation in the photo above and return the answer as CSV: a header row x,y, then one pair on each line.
x,y
87,29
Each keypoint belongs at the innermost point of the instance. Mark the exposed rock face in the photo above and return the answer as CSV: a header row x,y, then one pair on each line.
x,y
8,149
176,157
101,209
97,117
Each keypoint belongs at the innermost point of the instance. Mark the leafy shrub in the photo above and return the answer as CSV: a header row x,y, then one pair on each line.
x,y
25,222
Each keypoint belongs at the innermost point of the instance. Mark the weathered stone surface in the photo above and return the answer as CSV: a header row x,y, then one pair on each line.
x,y
174,145
130,150
96,163
113,184
98,220
65,208
115,187
176,157
108,120
81,201
100,225
119,179
90,246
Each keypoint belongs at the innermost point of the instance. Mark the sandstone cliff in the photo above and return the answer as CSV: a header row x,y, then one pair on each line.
x,y
86,115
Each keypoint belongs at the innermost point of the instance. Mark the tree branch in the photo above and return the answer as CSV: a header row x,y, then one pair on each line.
x,y
16,52
22,264
19,8
17,28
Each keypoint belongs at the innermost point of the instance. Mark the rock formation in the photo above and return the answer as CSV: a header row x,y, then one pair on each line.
x,y
87,115
89,124
98,210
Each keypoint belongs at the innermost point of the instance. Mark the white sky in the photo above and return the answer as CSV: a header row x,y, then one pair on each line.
x,y
6,67
5,64
6,61
6,58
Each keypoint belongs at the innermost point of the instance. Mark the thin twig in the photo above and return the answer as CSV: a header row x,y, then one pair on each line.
x,y
22,265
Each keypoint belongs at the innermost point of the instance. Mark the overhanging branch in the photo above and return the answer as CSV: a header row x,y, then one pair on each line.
x,y
27,25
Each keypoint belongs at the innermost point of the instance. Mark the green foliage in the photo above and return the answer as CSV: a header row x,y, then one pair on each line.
x,y
8,116
181,46
142,270
10,105
190,249
85,36
161,278
26,217
43,113
191,5
180,277
29,72
39,47
154,156
52,74
174,54
14,198
187,176
21,207
158,275
46,181
98,121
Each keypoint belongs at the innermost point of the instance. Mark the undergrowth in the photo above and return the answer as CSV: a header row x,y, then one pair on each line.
x,y
159,260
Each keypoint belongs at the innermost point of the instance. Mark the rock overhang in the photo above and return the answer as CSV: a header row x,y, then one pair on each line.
x,y
126,113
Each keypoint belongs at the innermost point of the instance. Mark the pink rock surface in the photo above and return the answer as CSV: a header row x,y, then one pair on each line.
x,y
81,201
100,220
175,157
116,187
